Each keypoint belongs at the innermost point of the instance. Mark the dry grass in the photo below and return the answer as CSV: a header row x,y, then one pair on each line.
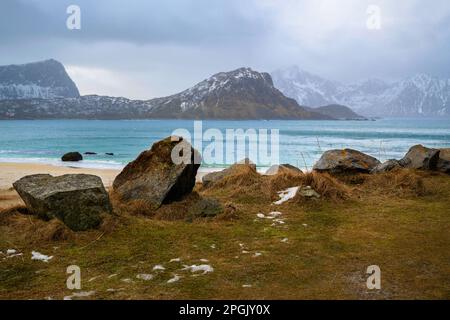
x,y
328,250
398,183
327,186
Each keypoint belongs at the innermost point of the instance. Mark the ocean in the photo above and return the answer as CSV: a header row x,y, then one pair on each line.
x,y
300,142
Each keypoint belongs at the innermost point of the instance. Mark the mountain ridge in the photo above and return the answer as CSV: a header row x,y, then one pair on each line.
x,y
241,94
420,95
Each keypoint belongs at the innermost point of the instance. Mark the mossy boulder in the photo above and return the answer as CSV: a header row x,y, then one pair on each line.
x,y
78,200
163,174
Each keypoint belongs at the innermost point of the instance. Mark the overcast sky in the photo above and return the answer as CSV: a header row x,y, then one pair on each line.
x,y
144,49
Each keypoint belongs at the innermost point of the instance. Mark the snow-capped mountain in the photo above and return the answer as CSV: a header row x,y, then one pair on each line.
x,y
421,95
238,94
45,80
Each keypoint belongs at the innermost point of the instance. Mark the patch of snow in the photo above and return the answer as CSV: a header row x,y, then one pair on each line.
x,y
112,275
144,276
174,279
175,260
206,268
158,267
11,251
204,260
286,195
284,240
93,278
257,254
213,246
246,286
260,215
127,280
81,294
39,256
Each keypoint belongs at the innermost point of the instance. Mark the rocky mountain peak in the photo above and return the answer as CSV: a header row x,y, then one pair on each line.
x,y
43,79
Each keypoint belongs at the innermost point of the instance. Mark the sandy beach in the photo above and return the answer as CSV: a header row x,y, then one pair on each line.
x,y
10,172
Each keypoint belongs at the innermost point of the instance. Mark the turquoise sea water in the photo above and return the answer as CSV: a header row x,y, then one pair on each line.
x,y
301,142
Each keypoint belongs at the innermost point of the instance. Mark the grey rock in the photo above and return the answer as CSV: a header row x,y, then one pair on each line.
x,y
345,161
154,178
205,208
71,157
443,164
282,168
387,166
213,177
78,200
308,192
420,157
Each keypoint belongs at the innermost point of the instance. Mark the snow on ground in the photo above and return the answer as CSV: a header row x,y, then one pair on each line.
x,y
144,276
174,279
81,294
203,267
39,256
286,195
175,260
112,275
257,254
93,278
284,240
11,251
158,267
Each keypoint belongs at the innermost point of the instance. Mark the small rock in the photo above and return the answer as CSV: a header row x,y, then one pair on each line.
x,y
205,207
213,177
72,156
308,192
345,161
283,168
387,166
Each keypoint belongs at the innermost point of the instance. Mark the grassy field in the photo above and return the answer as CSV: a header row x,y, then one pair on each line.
x,y
318,249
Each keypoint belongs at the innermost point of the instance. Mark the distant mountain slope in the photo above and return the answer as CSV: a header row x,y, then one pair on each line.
x,y
339,112
239,94
45,79
421,95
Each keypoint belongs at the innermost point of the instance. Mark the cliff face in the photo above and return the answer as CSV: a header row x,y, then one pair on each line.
x,y
42,80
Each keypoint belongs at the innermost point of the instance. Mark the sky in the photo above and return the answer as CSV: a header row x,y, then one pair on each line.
x,y
145,49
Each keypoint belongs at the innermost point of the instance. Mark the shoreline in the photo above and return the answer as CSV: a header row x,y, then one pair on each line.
x,y
13,171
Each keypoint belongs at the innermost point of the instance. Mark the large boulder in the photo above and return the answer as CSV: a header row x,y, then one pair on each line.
x,y
213,177
387,166
156,177
78,200
72,156
345,161
444,160
282,169
420,157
